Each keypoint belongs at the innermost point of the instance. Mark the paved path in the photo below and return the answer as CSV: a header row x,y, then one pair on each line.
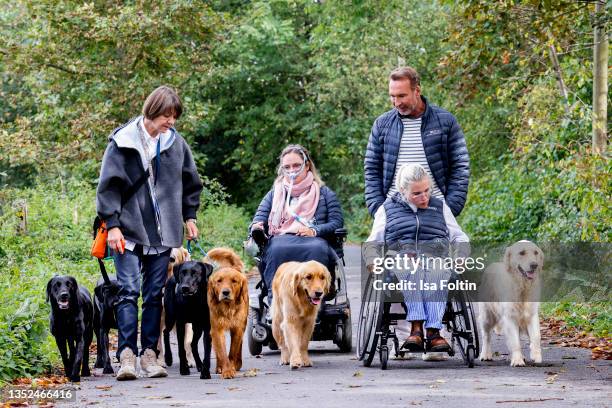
x,y
566,378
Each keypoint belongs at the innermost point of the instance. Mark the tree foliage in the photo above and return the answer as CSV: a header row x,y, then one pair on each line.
x,y
257,75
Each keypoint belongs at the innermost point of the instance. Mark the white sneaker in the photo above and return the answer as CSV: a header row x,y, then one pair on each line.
x,y
149,366
128,365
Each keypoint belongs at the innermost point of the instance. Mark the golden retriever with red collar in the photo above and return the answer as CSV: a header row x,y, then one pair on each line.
x,y
228,300
298,289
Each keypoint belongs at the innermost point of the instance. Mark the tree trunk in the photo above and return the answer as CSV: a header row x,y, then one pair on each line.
x,y
600,80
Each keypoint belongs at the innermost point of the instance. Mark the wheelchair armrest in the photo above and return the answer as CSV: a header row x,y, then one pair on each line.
x,y
341,234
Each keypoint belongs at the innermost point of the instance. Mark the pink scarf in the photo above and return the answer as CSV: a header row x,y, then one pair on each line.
x,y
281,221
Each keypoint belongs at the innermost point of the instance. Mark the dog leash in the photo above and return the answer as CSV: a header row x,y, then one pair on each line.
x,y
197,245
210,261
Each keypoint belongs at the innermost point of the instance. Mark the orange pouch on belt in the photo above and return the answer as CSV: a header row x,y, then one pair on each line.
x,y
99,248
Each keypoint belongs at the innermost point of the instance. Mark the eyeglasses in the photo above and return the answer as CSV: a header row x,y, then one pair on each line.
x,y
295,166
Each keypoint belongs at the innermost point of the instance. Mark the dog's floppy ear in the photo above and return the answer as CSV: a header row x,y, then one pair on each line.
x,y
295,282
507,258
175,272
211,294
49,289
327,280
243,296
73,281
208,270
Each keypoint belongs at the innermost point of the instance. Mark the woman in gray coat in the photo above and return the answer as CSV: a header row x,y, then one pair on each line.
x,y
143,227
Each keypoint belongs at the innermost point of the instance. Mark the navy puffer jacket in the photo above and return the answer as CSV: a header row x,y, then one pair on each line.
x,y
328,215
444,146
405,225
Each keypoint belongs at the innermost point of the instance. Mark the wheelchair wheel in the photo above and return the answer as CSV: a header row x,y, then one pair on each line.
x,y
255,347
471,355
462,326
346,336
370,320
384,356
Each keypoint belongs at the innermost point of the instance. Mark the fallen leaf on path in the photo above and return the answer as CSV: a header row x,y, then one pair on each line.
x,y
157,397
357,374
233,389
551,379
251,373
104,387
354,386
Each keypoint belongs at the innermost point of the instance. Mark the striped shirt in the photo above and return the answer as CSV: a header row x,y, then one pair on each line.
x,y
411,151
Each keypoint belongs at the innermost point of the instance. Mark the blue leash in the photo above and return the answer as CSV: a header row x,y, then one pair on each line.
x,y
197,245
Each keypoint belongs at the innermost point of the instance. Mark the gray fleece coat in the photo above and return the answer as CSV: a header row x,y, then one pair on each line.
x,y
177,188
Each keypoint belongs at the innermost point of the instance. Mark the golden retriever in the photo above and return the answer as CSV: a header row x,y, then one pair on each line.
x,y
298,289
177,257
513,286
228,300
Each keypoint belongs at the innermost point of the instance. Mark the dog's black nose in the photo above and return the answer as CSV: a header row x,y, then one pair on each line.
x,y
63,295
318,294
225,292
534,266
184,289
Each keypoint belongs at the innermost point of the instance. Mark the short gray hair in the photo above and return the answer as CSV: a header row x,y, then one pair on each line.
x,y
410,173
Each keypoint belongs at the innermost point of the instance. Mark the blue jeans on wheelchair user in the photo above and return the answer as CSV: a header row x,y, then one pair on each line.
x,y
131,268
287,248
425,303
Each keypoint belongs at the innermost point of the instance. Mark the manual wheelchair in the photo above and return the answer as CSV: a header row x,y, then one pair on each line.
x,y
380,313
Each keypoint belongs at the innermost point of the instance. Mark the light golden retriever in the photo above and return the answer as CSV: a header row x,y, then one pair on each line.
x,y
177,257
298,289
228,300
514,288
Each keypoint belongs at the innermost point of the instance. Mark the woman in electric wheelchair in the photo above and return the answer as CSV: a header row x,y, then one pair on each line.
x,y
413,219
300,219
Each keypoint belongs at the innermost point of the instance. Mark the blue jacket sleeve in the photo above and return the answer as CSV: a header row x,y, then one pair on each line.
x,y
335,219
458,171
263,211
373,171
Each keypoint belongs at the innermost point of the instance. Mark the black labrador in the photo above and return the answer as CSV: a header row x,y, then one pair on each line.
x,y
185,301
106,297
71,323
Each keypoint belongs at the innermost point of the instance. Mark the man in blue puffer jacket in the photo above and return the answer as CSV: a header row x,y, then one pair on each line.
x,y
415,131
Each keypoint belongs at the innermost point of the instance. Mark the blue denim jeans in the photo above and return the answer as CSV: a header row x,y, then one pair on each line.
x,y
131,267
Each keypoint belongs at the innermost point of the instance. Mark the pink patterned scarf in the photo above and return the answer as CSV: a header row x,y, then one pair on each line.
x,y
281,221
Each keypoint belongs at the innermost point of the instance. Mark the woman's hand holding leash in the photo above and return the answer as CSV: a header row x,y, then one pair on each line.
x,y
192,229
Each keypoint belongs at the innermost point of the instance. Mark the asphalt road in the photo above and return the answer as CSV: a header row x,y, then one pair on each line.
x,y
567,377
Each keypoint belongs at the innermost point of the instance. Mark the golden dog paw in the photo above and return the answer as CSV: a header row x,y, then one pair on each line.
x,y
228,373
